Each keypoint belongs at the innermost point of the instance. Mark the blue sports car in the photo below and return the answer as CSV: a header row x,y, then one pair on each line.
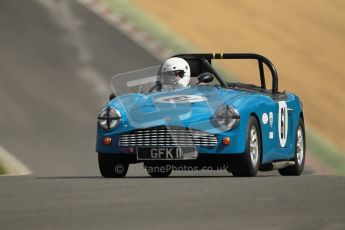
x,y
182,115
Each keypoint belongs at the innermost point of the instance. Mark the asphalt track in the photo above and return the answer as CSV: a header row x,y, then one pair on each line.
x,y
56,58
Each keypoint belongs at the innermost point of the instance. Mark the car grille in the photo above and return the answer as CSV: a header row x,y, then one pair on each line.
x,y
168,137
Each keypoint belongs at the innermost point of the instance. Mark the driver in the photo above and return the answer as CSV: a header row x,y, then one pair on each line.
x,y
174,73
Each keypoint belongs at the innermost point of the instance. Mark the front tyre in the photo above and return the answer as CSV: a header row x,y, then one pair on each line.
x,y
299,159
247,164
112,167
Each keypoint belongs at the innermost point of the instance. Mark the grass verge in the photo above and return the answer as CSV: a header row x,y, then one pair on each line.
x,y
326,152
2,170
318,146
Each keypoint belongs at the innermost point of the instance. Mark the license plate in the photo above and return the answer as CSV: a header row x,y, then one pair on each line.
x,y
166,153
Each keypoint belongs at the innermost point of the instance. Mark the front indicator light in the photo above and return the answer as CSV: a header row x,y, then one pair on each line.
x,y
226,140
107,140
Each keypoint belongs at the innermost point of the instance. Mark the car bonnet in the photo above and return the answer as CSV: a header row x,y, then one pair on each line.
x,y
184,106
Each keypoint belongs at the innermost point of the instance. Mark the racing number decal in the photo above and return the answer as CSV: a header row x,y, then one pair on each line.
x,y
181,99
282,123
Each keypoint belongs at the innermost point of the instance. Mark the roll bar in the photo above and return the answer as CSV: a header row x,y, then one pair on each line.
x,y
261,60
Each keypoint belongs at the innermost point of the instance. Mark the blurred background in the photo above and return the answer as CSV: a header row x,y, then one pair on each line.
x,y
56,61
53,52
304,39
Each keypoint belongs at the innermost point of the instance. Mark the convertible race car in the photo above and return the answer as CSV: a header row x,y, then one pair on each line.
x,y
182,115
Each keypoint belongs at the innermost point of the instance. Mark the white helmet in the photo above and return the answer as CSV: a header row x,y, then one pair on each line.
x,y
175,72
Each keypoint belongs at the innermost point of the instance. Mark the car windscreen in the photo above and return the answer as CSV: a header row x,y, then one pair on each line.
x,y
146,81
137,81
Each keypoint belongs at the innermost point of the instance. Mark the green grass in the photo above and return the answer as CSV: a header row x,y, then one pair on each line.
x,y
2,170
326,152
320,147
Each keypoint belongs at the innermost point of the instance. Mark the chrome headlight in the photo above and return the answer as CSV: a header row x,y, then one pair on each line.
x,y
226,118
109,118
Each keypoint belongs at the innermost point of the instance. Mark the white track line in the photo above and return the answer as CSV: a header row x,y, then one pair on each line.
x,y
12,165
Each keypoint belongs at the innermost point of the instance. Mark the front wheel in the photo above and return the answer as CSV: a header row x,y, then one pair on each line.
x,y
112,167
299,159
247,164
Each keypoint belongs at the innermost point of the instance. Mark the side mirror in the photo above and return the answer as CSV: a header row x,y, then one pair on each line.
x,y
206,77
111,96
